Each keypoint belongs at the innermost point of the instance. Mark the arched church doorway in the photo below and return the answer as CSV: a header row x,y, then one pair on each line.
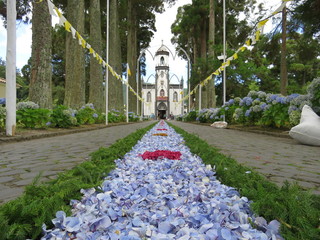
x,y
162,110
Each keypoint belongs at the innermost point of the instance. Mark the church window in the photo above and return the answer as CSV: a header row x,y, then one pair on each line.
x,y
162,60
175,97
161,93
149,97
161,82
162,74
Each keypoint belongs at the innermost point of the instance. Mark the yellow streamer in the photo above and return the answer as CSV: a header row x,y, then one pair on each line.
x,y
82,42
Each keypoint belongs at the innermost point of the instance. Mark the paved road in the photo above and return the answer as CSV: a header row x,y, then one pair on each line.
x,y
21,162
278,159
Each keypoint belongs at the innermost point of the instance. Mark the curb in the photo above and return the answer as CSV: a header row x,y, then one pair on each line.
x,y
281,135
21,138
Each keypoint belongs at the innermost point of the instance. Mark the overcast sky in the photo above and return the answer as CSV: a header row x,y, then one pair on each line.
x,y
163,25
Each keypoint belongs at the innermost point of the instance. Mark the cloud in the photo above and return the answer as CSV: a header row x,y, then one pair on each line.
x,y
23,43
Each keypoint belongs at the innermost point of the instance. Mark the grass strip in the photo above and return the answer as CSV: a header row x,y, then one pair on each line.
x,y
23,217
297,210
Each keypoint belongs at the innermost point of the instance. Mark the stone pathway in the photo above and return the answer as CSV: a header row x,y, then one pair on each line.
x,y
21,162
278,159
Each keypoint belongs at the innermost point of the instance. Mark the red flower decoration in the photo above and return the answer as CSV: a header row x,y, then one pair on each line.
x,y
161,154
162,129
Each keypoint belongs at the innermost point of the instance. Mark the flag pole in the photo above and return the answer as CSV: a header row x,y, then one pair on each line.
x,y
107,61
11,90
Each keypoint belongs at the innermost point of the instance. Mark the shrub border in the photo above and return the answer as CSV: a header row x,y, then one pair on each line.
x,y
23,217
297,210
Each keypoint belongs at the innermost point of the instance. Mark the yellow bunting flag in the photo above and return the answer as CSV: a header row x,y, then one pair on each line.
x,y
262,23
248,42
258,35
243,48
128,70
83,43
58,12
67,26
235,56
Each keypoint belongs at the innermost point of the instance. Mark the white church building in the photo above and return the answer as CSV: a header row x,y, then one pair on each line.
x,y
162,98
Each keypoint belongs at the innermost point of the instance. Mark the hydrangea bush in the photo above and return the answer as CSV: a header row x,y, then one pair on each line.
x,y
260,108
63,117
313,91
2,117
27,105
87,114
133,117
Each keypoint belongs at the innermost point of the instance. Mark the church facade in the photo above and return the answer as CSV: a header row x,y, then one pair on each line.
x,y
162,98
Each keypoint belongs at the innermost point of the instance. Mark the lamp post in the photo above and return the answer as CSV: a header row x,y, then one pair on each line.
x,y
138,77
147,82
107,61
188,75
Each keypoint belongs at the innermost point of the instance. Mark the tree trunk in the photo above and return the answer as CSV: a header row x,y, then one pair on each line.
x,y
203,52
211,86
40,90
132,52
115,86
75,61
96,79
283,74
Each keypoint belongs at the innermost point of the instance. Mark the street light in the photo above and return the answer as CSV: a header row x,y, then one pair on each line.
x,y
151,75
138,77
188,76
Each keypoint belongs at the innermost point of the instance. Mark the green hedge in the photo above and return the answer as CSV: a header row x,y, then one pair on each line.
x,y
23,217
296,209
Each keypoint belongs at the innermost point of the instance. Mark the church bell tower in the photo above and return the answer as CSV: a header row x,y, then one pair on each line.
x,y
162,82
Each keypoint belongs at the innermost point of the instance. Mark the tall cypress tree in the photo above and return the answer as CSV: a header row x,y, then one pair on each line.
x,y
75,61
96,79
40,90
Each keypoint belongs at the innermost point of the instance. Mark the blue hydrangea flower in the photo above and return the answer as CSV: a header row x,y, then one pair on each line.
x,y
247,113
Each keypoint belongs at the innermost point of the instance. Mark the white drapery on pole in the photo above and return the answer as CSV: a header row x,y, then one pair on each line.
x,y
224,53
127,102
127,93
107,62
200,96
11,89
